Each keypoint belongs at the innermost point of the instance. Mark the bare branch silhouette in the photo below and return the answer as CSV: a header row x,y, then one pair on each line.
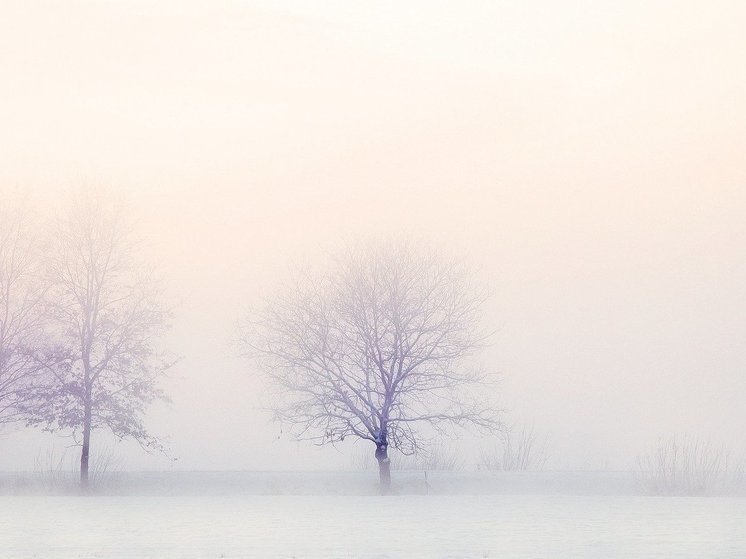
x,y
103,361
22,300
379,347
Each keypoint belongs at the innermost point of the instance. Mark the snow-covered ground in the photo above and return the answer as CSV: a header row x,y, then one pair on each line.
x,y
187,524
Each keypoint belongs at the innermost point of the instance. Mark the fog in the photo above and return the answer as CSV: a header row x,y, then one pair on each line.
x,y
586,158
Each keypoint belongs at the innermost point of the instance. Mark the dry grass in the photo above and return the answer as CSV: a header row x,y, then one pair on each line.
x,y
517,450
687,466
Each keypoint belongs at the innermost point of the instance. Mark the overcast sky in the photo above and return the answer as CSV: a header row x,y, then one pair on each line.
x,y
586,157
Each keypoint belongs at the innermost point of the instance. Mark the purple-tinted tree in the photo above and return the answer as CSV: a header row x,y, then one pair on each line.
x,y
106,320
22,292
379,347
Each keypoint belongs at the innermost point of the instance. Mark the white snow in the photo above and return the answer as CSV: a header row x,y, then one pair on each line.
x,y
406,526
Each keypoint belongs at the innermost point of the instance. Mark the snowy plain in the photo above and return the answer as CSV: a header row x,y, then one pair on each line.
x,y
557,522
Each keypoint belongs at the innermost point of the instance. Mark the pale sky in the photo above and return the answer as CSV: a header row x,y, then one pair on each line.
x,y
586,157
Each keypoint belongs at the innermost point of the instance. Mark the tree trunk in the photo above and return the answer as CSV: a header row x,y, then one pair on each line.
x,y
85,452
384,468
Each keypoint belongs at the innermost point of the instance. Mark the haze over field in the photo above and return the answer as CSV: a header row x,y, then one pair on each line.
x,y
586,157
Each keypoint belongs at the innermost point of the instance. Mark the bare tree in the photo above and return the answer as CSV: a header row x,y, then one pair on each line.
x,y
21,309
106,321
379,347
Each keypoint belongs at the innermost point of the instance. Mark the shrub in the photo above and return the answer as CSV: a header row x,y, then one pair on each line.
x,y
685,466
517,450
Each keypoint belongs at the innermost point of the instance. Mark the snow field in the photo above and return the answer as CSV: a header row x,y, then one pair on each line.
x,y
407,527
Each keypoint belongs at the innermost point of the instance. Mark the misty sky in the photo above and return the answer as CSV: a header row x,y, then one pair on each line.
x,y
586,157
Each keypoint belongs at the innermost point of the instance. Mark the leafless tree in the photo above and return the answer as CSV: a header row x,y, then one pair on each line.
x,y
379,347
106,321
21,308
